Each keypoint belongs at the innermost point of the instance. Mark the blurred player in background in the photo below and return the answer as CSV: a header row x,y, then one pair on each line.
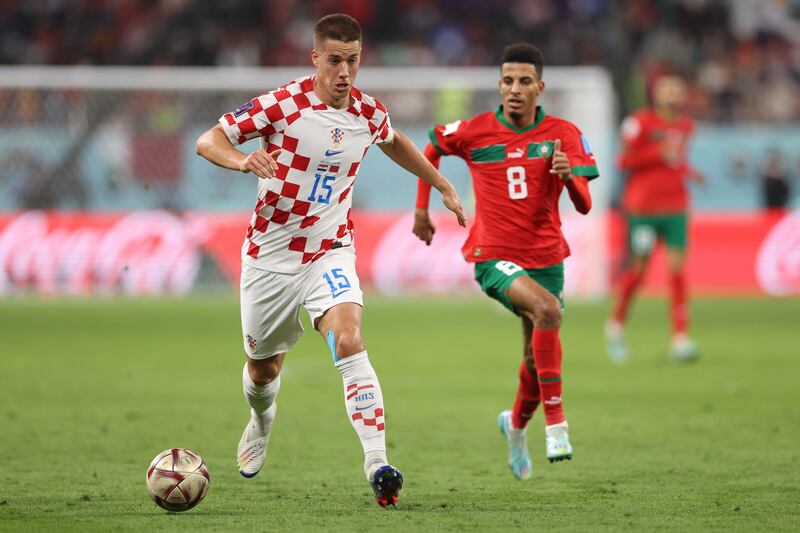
x,y
298,251
655,145
521,160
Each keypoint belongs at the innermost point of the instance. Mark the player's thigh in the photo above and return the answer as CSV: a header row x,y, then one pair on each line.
x,y
552,279
516,289
534,301
270,307
676,238
544,297
334,301
495,278
642,236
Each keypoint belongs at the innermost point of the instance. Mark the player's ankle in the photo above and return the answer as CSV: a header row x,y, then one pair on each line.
x,y
373,460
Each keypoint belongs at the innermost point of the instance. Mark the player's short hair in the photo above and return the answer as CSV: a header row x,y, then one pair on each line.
x,y
524,53
339,27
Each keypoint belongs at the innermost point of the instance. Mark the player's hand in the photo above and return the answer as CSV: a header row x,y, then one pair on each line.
x,y
261,163
423,227
452,202
559,163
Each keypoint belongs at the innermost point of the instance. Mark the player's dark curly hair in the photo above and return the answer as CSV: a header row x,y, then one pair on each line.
x,y
339,27
524,53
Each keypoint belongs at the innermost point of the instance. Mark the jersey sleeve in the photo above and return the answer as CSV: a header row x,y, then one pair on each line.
x,y
259,117
380,125
448,138
581,159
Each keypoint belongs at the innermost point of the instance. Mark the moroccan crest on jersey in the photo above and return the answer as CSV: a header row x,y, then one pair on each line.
x,y
337,135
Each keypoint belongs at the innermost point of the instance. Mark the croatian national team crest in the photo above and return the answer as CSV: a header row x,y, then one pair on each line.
x,y
251,342
337,135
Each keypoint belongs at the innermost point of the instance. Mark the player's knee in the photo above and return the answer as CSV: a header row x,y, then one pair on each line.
x,y
349,342
263,371
548,313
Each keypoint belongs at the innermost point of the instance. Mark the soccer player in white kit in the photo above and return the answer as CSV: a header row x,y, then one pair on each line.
x,y
299,251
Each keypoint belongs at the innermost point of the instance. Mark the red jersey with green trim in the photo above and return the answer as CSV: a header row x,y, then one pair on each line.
x,y
655,155
516,196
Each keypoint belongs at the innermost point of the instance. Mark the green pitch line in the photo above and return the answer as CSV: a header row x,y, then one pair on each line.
x,y
90,391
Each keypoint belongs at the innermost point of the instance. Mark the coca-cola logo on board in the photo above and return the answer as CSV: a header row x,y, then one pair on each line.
x,y
142,253
778,259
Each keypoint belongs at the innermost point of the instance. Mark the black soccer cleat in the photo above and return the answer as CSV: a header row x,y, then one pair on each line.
x,y
387,482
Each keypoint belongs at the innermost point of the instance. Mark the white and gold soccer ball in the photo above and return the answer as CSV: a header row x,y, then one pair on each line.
x,y
177,479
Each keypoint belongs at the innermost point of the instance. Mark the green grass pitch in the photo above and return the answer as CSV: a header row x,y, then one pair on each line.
x,y
90,391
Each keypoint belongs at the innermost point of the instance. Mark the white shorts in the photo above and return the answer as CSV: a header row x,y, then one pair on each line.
x,y
271,301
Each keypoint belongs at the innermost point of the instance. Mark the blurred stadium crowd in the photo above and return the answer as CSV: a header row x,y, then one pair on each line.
x,y
742,57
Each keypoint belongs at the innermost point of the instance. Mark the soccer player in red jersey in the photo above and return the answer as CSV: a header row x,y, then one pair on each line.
x,y
654,155
520,159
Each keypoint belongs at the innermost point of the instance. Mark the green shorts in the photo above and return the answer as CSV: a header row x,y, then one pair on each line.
x,y
645,231
495,279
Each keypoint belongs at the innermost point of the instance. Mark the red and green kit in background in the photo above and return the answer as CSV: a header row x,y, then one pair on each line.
x,y
654,156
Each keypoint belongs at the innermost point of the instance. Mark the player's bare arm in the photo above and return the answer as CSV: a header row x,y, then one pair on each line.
x,y
423,227
403,152
216,148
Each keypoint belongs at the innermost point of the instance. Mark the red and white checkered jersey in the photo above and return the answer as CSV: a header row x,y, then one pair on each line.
x,y
305,210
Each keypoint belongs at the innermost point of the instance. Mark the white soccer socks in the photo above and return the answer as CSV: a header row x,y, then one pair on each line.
x,y
260,397
252,449
364,403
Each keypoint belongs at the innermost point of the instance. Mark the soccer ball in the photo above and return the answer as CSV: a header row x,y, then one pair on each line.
x,y
177,479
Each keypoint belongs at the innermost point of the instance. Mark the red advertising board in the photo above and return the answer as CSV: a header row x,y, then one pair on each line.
x,y
159,252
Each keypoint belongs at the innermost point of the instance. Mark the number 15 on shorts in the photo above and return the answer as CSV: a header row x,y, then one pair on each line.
x,y
337,281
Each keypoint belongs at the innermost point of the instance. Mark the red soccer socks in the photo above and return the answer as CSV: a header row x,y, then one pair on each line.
x,y
628,285
527,399
547,356
679,311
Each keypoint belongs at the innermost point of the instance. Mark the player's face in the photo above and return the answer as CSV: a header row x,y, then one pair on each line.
x,y
520,86
669,92
337,66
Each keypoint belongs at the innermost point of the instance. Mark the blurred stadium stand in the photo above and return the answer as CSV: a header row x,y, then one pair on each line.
x,y
742,57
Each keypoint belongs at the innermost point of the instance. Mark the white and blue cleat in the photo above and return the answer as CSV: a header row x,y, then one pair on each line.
x,y
252,451
682,349
519,461
557,442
